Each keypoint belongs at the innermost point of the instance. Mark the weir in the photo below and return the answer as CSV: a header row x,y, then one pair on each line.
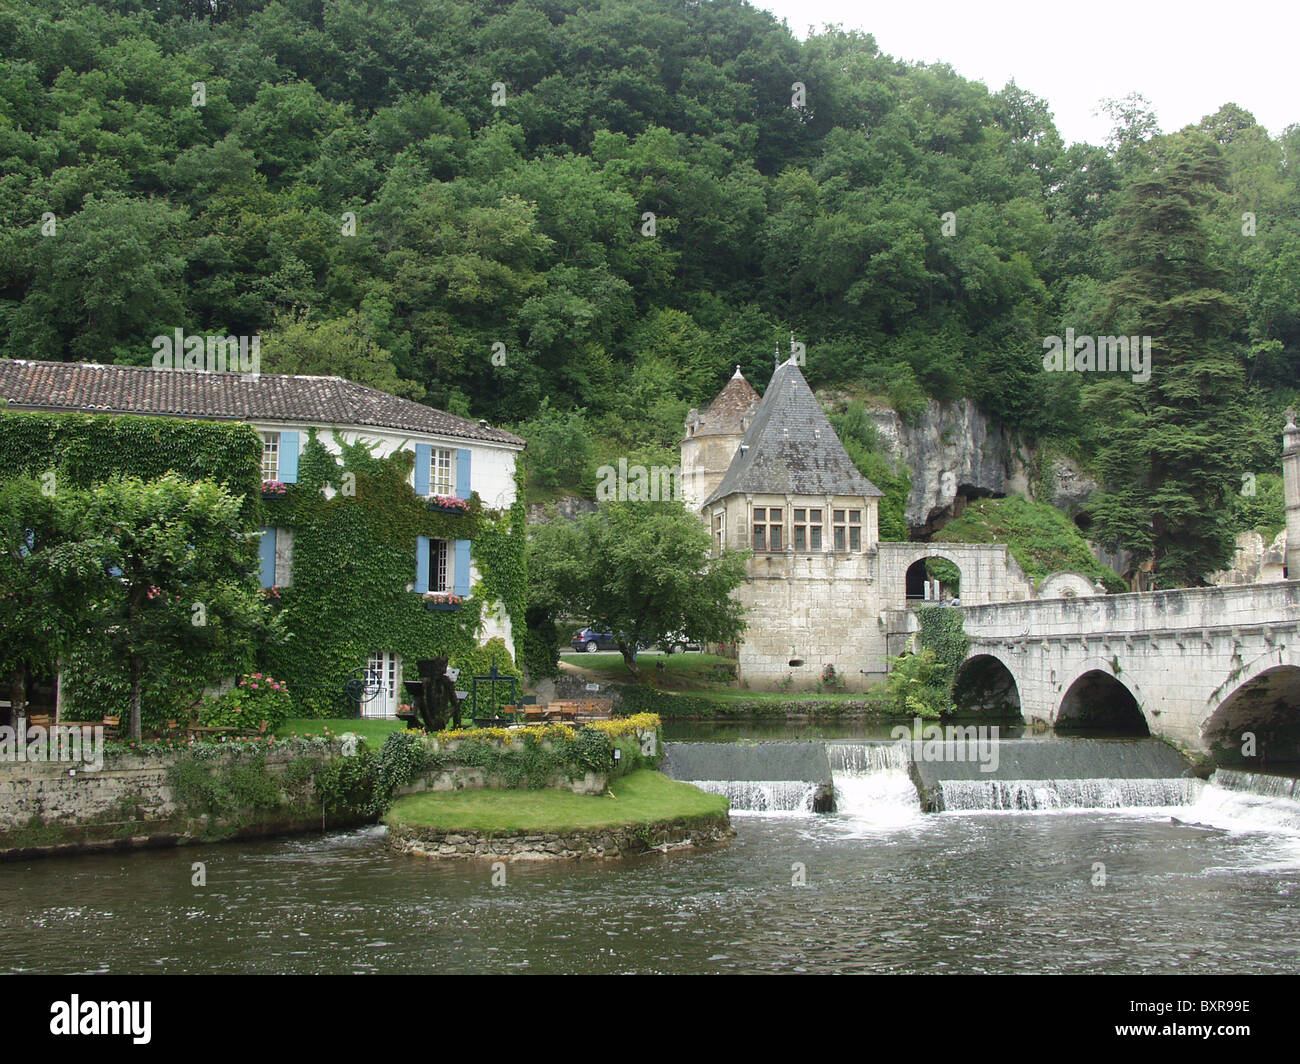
x,y
765,777
1051,774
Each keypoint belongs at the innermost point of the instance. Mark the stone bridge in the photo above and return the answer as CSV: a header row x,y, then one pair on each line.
x,y
1206,667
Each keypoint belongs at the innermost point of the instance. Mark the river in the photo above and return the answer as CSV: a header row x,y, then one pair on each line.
x,y
880,887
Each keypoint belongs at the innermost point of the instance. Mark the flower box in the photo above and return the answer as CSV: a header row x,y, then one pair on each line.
x,y
442,600
274,489
448,504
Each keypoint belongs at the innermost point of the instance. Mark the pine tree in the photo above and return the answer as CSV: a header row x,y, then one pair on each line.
x,y
1166,448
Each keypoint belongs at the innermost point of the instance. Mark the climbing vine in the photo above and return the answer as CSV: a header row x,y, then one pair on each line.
x,y
87,449
354,565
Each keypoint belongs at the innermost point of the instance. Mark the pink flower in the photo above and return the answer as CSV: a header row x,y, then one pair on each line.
x,y
254,686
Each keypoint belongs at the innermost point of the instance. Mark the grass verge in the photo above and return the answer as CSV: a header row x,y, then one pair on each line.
x,y
373,731
642,797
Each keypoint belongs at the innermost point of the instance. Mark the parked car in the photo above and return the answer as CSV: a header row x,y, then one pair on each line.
x,y
678,645
590,640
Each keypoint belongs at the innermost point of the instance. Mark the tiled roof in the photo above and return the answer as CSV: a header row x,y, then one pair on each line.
x,y
790,447
95,389
725,415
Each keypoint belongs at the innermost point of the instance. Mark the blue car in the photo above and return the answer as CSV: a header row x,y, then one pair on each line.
x,y
591,641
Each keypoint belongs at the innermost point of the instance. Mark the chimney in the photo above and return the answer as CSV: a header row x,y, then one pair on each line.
x,y
1291,485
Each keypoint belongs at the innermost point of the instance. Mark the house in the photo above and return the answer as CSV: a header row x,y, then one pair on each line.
x,y
452,456
827,601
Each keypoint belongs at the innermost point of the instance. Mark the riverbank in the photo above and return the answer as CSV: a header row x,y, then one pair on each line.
x,y
641,811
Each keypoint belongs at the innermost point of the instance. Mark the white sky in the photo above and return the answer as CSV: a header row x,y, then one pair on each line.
x,y
1188,57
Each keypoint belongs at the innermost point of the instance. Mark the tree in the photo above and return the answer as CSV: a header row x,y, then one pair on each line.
x,y
1167,447
42,565
645,571
176,575
341,347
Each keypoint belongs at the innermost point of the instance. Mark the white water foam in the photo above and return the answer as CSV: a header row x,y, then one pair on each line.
x,y
872,784
1027,795
763,797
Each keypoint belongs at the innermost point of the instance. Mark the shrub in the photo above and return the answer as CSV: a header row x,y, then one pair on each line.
x,y
919,685
257,697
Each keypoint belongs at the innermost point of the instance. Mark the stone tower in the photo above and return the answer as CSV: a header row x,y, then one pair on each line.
x,y
712,439
1291,485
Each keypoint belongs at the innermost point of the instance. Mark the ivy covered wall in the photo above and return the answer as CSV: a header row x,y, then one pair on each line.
x,y
354,561
90,448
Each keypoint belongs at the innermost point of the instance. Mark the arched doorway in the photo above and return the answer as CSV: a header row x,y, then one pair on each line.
x,y
933,579
1097,702
985,686
1259,723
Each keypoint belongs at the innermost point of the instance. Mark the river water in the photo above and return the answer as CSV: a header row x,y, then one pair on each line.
x,y
885,888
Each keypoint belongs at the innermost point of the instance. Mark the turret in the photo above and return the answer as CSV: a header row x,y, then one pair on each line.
x,y
712,438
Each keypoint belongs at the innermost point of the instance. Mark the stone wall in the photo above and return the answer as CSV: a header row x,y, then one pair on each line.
x,y
61,806
597,844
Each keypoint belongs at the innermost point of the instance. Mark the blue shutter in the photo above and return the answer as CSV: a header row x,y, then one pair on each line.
x,y
462,474
289,457
421,564
422,455
461,572
266,551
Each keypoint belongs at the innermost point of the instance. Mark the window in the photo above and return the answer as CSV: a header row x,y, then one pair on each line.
x,y
270,456
439,565
847,529
284,557
807,529
440,482
720,530
767,528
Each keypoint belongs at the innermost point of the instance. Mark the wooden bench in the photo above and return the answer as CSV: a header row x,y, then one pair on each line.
x,y
596,709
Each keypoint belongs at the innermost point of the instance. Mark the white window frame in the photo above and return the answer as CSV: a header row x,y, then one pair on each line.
x,y
270,456
442,471
442,565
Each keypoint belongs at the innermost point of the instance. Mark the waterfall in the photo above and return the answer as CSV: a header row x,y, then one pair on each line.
x,y
770,797
872,783
767,778
1249,801
966,795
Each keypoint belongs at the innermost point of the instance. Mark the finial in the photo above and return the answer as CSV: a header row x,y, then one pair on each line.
x,y
737,373
1290,417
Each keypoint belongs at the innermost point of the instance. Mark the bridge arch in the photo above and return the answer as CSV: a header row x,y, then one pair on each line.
x,y
985,684
1258,723
1099,698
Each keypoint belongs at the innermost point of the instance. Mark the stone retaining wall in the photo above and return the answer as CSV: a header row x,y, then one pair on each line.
x,y
596,844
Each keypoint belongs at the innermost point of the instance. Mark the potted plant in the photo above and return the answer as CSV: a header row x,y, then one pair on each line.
x,y
274,489
442,600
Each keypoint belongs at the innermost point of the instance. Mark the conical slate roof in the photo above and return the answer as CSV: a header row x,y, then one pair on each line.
x,y
725,415
790,447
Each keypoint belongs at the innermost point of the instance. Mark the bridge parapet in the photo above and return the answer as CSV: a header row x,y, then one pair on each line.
x,y
1250,606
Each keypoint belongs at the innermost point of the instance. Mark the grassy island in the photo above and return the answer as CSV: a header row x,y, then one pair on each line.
x,y
637,799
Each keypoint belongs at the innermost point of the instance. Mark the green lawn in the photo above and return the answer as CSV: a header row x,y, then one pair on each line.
x,y
374,731
642,797
681,672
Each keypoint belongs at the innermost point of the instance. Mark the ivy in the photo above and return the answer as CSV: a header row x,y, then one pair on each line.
x,y
87,449
353,562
